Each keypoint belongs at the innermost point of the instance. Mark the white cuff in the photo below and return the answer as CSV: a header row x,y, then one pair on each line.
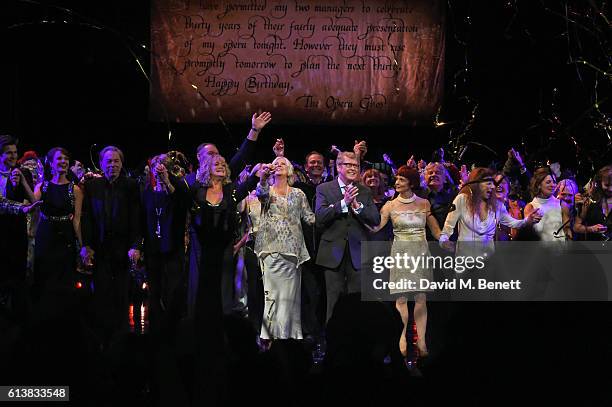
x,y
344,207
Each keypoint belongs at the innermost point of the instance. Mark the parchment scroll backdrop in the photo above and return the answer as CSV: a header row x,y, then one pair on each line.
x,y
327,62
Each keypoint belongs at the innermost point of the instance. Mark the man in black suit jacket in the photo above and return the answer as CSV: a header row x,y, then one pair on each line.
x,y
343,209
112,237
15,185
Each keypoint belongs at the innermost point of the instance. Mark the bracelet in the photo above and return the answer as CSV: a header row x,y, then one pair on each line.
x,y
254,129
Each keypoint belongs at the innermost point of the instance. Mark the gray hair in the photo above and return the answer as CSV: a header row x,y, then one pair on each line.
x,y
112,148
290,170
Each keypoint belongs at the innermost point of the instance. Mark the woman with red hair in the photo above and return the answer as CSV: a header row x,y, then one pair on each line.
x,y
409,214
477,211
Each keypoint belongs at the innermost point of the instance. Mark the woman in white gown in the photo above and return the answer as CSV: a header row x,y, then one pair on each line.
x,y
281,250
477,211
555,225
409,215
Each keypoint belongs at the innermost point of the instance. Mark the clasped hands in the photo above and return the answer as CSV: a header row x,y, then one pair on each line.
x,y
350,195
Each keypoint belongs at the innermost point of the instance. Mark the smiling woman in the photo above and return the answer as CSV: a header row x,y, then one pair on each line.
x,y
555,216
59,230
477,212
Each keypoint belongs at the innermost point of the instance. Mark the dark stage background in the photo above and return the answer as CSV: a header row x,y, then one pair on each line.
x,y
70,76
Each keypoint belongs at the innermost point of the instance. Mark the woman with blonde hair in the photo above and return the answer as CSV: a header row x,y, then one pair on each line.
x,y
281,249
216,224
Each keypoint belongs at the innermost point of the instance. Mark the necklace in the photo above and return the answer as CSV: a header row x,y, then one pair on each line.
x,y
158,212
407,200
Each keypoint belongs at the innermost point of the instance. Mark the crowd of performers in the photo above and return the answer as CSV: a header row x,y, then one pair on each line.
x,y
294,229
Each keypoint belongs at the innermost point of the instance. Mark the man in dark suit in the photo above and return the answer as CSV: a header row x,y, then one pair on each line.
x,y
343,209
15,185
111,238
313,308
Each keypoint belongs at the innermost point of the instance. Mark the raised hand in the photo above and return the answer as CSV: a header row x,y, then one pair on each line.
x,y
279,148
256,170
259,122
360,149
464,174
411,163
512,153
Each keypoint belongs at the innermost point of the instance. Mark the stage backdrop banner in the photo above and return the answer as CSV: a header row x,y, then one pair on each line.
x,y
325,62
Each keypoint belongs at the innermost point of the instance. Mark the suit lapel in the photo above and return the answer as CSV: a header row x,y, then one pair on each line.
x,y
337,191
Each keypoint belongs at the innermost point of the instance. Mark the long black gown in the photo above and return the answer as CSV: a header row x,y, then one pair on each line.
x,y
56,246
216,227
